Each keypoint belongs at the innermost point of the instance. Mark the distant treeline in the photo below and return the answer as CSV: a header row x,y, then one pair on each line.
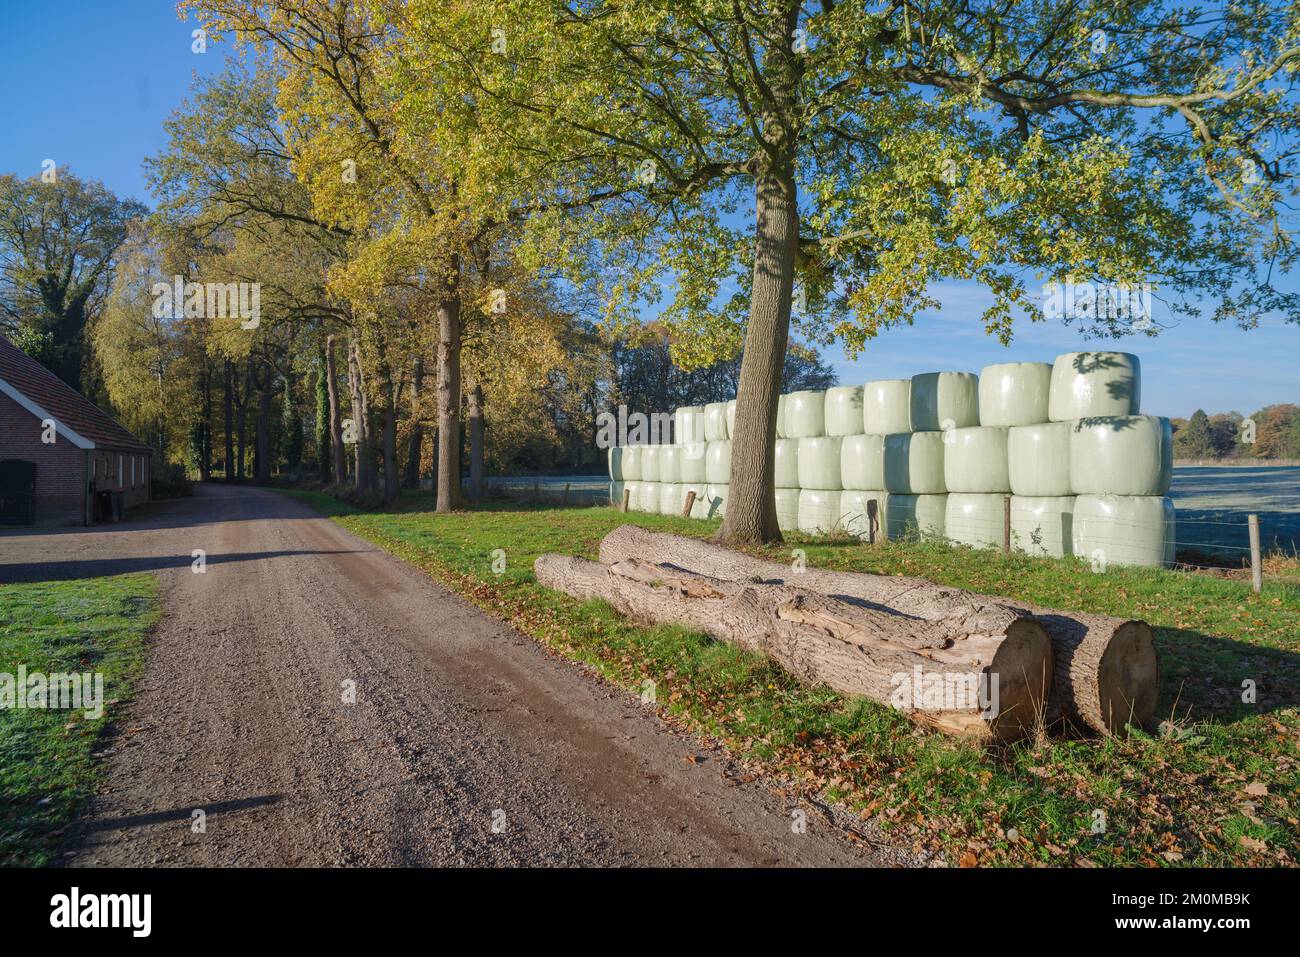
x,y
1271,433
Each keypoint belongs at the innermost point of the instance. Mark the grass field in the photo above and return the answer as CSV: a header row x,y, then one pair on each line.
x,y
1217,785
1213,503
47,764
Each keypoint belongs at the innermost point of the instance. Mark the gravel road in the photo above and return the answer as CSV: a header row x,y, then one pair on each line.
x,y
467,744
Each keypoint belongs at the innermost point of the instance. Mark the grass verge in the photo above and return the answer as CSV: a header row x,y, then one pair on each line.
x,y
47,757
1217,786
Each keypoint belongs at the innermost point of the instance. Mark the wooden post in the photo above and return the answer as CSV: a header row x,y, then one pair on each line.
x,y
873,520
627,495
1006,524
690,501
566,494
1256,565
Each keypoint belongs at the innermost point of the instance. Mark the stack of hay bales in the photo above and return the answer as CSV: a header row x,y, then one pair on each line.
x,y
938,454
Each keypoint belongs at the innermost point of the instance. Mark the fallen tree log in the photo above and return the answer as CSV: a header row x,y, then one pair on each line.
x,y
982,672
1106,671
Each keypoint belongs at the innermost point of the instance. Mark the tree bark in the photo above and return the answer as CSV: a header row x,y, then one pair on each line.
x,y
228,410
448,467
750,516
336,414
391,485
360,421
413,452
476,442
869,651
1106,670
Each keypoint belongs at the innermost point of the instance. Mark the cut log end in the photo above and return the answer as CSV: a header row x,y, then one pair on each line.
x,y
1128,678
1023,666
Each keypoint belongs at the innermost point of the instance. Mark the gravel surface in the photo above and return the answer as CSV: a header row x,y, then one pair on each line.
x,y
467,744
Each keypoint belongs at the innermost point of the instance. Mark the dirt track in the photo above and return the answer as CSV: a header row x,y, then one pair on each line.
x,y
467,743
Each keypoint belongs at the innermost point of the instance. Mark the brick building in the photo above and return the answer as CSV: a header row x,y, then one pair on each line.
x,y
63,460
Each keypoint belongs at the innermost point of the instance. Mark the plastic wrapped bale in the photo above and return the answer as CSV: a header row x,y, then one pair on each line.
x,y
787,509
715,500
1124,530
844,415
691,462
855,512
787,463
616,494
671,498
731,419
1086,384
1014,393
887,406
670,463
1043,525
975,460
1038,459
650,463
633,490
781,433
908,515
688,424
819,511
717,463
715,422
647,497
945,400
616,464
914,463
805,414
629,462
862,461
973,518
819,463
1121,455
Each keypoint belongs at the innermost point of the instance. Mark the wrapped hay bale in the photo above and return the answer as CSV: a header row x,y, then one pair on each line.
x,y
908,515
1121,455
616,463
650,463
1043,525
945,400
688,425
819,462
787,509
629,460
717,463
976,519
1014,393
691,462
715,422
975,460
616,494
781,433
1038,459
914,463
715,500
1124,530
855,514
805,414
887,407
1086,384
862,461
819,511
633,490
731,419
671,498
669,463
647,497
844,413
787,463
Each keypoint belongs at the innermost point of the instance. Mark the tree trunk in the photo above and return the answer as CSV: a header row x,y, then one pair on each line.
x,y
391,486
365,480
228,409
323,433
1106,670
988,664
448,467
262,450
476,442
750,516
412,477
336,413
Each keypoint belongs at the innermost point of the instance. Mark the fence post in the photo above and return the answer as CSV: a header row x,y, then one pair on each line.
x,y
566,494
1006,524
690,501
626,495
1256,565
873,515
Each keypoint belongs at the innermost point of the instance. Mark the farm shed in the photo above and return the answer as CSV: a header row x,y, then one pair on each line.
x,y
63,460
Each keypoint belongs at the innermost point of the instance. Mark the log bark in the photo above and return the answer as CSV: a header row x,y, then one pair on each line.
x,y
1106,671
981,672
336,414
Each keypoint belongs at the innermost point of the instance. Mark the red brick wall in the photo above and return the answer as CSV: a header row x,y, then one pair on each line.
x,y
59,489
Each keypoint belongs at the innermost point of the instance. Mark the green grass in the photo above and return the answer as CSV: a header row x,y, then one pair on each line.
x,y
47,763
1217,786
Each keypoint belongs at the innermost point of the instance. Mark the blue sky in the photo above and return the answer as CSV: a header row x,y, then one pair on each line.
x,y
88,84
